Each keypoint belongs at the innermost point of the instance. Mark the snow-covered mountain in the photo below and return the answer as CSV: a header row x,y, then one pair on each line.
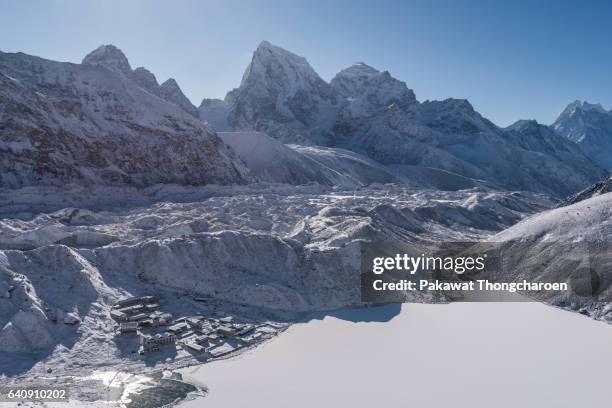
x,y
540,139
589,126
113,59
569,244
374,114
274,162
63,122
280,94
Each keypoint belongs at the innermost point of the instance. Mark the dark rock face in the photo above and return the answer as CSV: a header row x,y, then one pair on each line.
x,y
603,187
63,123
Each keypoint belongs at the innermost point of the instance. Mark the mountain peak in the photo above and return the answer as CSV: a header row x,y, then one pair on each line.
x,y
359,69
265,44
354,80
171,91
584,106
280,83
145,79
522,124
590,126
170,83
109,57
272,62
266,48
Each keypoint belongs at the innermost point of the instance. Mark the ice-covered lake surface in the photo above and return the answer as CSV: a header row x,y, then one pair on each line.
x,y
424,355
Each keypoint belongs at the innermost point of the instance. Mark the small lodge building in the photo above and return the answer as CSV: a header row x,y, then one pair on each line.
x,y
140,316
117,315
226,330
194,346
179,327
154,343
134,300
128,327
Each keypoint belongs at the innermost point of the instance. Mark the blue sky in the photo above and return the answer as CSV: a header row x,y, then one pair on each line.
x,y
511,59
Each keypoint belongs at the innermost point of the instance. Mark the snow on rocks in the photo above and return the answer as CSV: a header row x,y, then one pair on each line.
x,y
570,244
370,112
266,247
274,162
71,319
91,124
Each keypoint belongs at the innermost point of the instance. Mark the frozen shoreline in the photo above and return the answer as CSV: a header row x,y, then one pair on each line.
x,y
461,354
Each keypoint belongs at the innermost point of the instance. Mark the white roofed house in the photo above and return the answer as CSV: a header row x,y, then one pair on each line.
x,y
179,327
226,330
194,346
118,315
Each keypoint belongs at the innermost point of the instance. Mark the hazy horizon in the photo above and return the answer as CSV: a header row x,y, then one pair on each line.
x,y
511,61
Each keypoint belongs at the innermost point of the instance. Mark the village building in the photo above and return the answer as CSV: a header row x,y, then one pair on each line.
x,y
177,328
226,330
145,323
151,307
194,346
246,330
186,334
117,315
131,309
134,300
154,343
128,327
251,338
221,350
140,316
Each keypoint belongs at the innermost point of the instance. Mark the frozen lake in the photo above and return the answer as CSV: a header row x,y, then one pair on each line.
x,y
462,355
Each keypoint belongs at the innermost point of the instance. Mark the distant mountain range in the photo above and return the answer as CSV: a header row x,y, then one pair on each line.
x,y
372,113
103,122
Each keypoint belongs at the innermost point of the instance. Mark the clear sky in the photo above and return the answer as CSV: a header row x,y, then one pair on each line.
x,y
511,59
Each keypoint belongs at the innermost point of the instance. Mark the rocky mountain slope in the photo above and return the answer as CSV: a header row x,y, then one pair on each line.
x,y
374,114
603,187
112,58
90,123
589,126
569,244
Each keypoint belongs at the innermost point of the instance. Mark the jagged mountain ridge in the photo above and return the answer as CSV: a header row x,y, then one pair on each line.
x,y
589,126
603,187
64,122
372,113
114,59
